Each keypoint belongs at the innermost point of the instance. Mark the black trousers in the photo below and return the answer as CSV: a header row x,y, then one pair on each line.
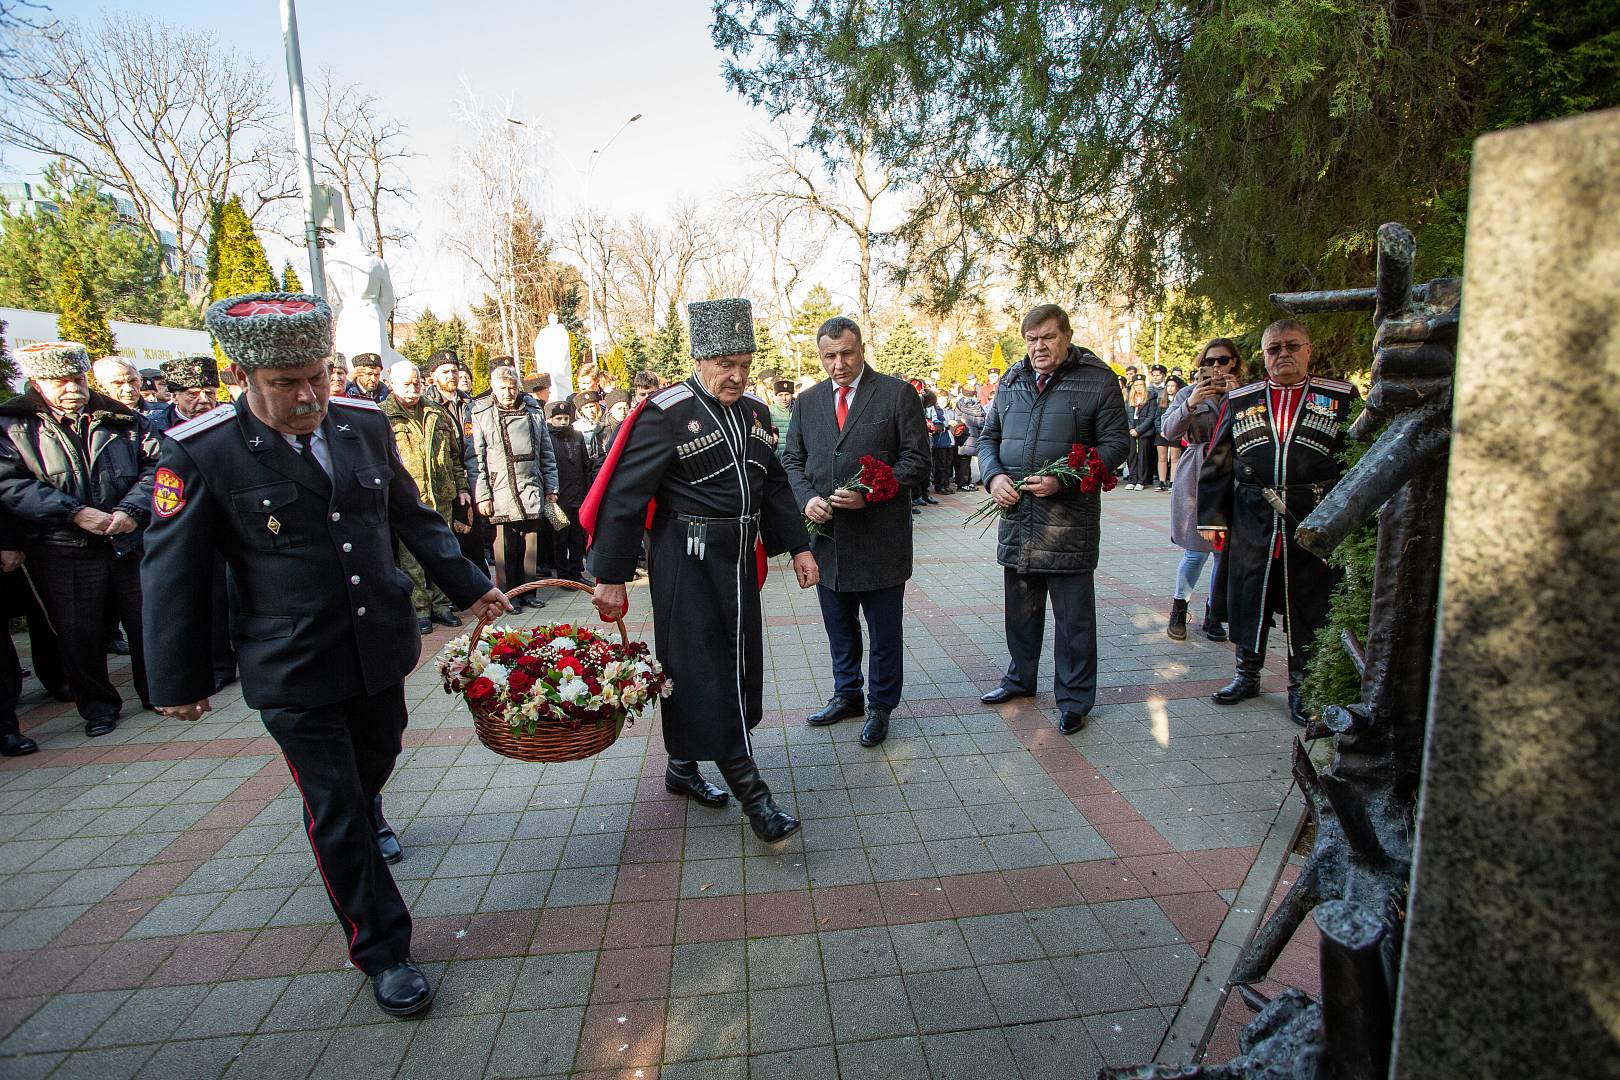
x,y
340,756
1074,610
83,587
840,613
517,553
964,470
944,467
568,545
1144,460
223,655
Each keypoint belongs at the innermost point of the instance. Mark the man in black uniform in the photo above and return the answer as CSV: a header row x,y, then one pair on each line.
x,y
194,383
1272,457
301,501
76,468
365,378
701,449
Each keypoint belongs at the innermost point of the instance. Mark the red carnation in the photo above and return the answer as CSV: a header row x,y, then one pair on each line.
x,y
533,665
570,663
1077,456
480,689
878,479
504,652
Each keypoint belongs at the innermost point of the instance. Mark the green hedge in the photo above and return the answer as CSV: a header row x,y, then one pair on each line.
x,y
1331,678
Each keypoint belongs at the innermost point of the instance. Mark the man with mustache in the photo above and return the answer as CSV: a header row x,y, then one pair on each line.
x,y
303,502
76,469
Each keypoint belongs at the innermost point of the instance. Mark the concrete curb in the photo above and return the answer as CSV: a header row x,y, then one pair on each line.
x,y
1195,1021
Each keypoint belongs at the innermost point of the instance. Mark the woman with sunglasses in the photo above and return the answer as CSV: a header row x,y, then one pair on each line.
x,y
1188,422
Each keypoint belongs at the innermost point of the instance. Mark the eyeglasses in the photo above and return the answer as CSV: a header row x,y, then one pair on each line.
x,y
1211,361
1289,347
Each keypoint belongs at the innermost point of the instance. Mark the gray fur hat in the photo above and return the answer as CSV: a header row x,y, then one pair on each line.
x,y
53,360
721,327
191,373
272,329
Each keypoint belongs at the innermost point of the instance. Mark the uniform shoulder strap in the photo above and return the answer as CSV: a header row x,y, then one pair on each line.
x,y
210,419
670,395
356,403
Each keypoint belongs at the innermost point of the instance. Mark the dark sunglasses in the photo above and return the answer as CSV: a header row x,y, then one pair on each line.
x,y
1211,361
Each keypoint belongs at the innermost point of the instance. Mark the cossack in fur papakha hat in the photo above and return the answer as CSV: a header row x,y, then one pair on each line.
x,y
272,329
53,360
721,327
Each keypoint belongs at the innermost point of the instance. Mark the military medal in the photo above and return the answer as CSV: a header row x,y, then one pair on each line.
x,y
694,426
273,525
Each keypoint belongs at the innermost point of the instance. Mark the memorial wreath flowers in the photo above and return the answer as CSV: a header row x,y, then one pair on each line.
x,y
558,676
875,480
1082,465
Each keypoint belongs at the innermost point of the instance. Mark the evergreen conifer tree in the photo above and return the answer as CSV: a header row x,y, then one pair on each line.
x,y
424,336
289,279
8,369
236,260
904,353
817,308
81,319
670,353
961,361
635,351
767,357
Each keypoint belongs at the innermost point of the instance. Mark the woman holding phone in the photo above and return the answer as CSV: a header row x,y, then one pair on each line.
x,y
1189,421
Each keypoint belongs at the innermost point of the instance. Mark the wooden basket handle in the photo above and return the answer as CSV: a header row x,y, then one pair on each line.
x,y
478,631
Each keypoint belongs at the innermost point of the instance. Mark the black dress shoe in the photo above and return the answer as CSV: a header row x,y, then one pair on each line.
x,y
221,681
877,726
1071,722
15,745
60,693
1241,688
1001,694
929,500
769,821
424,626
681,777
100,726
446,618
118,645
530,601
402,990
838,708
1296,708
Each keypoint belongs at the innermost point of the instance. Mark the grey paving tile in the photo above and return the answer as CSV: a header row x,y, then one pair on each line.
x,y
969,1055
874,1008
312,1000
712,1026
965,855
536,1043
1000,939
200,1059
546,982
37,928
1101,982
1124,1038
463,860
929,946
949,1000
1166,971
1026,992
148,1016
805,1063
711,877
1056,1050
281,1056
1136,924
584,885
63,1022
114,1063
840,867
783,961
232,1008
710,967
788,1018
884,1059
1066,931
449,1046
476,986
450,896
176,915
515,892
858,954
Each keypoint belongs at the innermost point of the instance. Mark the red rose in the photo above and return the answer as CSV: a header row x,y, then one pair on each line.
x,y
519,683
504,652
480,689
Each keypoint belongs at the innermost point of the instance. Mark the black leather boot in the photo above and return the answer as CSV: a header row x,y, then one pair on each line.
x,y
1177,630
682,778
1296,694
1213,627
387,842
770,822
1246,684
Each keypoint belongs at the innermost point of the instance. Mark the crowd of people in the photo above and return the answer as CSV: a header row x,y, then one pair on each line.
x,y
306,519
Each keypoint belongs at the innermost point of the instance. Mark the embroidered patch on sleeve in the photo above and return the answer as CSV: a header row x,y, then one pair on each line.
x,y
168,493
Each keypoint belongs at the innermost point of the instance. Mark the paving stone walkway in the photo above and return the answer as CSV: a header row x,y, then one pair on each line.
x,y
979,897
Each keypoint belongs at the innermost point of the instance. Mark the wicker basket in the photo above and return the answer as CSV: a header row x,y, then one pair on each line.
x,y
547,743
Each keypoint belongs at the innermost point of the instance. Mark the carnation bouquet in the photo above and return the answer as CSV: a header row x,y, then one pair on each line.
x,y
557,678
1082,465
875,480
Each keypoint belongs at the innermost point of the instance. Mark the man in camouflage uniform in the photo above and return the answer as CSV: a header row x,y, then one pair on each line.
x,y
430,445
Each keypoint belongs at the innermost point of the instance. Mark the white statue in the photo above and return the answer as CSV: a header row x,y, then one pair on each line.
x,y
552,356
361,292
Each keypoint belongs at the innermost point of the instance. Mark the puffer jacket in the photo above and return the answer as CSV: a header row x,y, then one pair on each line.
x,y
1023,432
45,479
971,413
429,442
517,466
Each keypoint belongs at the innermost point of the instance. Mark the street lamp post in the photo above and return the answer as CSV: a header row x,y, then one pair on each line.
x,y
590,228
300,115
1158,320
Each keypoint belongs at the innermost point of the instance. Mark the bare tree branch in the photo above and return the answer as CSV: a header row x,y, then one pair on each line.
x,y
361,151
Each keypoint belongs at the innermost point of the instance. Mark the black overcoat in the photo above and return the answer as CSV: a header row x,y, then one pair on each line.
x,y
701,460
869,548
1244,458
321,613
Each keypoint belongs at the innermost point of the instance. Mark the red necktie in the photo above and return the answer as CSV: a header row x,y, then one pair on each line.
x,y
1040,384
843,406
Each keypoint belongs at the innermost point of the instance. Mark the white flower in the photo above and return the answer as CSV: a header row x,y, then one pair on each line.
x,y
572,689
564,644
496,673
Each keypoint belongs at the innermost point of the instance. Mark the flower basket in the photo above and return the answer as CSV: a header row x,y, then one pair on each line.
x,y
557,692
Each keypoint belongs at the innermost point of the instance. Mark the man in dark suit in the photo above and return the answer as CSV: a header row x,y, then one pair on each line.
x,y
302,501
863,549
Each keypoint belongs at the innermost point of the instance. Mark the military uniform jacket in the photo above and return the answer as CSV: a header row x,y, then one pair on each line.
x,y
869,548
719,487
1247,464
321,614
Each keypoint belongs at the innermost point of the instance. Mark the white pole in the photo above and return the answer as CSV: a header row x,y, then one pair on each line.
x,y
300,113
